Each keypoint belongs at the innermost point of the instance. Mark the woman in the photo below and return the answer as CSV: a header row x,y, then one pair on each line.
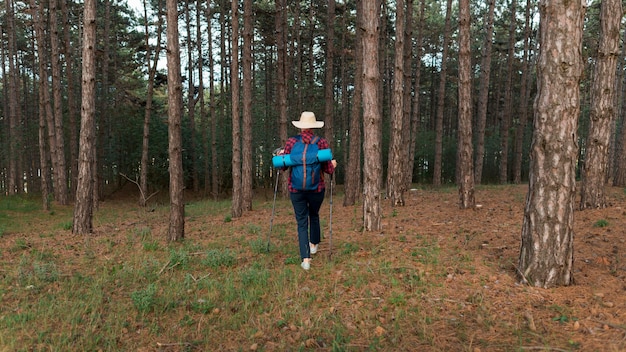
x,y
306,204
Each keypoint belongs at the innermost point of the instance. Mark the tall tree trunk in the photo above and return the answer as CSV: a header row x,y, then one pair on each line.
x,y
203,116
416,114
247,152
618,161
212,112
43,92
523,108
83,208
13,113
237,202
505,124
408,81
602,107
372,119
223,101
329,102
191,102
104,123
60,174
483,95
397,159
441,99
71,98
176,229
546,253
352,185
152,69
466,152
282,79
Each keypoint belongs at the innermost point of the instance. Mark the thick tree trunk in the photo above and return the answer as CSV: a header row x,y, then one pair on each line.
x,y
416,114
13,112
483,96
546,253
465,166
441,99
397,159
505,124
176,229
523,108
602,108
372,119
281,80
71,99
43,91
353,167
237,200
247,152
83,208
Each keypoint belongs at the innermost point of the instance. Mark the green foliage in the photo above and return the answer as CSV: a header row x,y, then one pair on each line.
x,y
601,223
219,258
144,300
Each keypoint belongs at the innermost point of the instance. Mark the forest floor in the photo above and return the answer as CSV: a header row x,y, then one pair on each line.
x,y
436,278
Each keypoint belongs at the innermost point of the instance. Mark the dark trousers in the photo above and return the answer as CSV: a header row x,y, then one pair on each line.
x,y
306,206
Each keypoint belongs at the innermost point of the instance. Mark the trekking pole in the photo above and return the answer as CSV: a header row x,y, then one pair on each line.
x,y
330,221
273,210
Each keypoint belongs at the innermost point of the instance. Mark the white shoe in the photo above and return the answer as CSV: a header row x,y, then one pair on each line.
x,y
305,265
313,247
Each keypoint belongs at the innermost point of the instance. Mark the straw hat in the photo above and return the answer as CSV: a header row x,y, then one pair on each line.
x,y
307,120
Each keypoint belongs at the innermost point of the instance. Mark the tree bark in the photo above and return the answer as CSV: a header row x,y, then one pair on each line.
x,y
176,229
416,114
546,253
353,167
483,95
237,200
83,208
602,108
441,99
465,166
505,124
397,159
71,98
281,80
372,119
523,108
13,111
44,165
247,152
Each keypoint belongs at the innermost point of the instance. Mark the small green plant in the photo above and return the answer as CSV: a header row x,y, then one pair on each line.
x,y
67,225
259,245
228,218
562,315
142,233
394,213
20,245
151,246
219,258
601,223
348,248
253,229
144,300
179,258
